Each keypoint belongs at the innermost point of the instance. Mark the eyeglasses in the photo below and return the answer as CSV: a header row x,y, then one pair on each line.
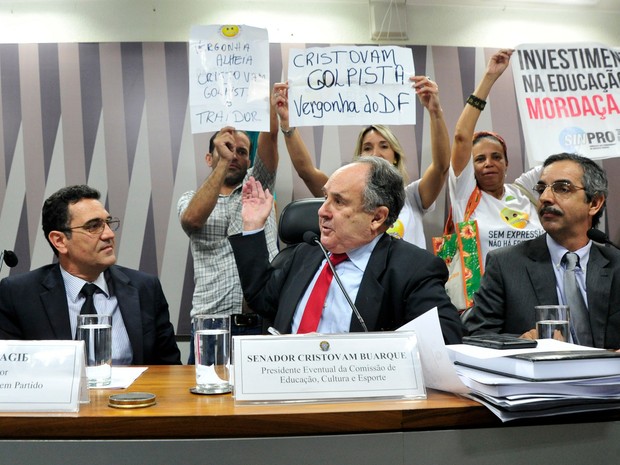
x,y
97,225
561,188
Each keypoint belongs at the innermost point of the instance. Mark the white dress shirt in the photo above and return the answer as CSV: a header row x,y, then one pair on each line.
x,y
106,304
336,316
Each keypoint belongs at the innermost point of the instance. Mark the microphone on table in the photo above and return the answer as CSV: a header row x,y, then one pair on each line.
x,y
8,257
313,239
599,236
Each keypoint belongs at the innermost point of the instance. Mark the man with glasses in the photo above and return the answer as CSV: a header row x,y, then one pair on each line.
x,y
572,191
44,303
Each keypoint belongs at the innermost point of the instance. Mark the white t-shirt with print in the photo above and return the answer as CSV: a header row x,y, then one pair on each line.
x,y
501,222
409,225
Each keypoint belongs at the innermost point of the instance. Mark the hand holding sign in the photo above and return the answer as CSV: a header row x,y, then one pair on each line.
x,y
279,99
427,91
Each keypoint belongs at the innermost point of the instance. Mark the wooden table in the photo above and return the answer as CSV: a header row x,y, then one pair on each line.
x,y
181,426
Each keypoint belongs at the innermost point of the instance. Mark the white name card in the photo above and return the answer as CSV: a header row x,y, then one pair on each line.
x,y
41,376
315,367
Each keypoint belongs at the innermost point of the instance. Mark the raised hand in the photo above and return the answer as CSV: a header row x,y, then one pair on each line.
x,y
279,99
224,144
256,205
427,91
499,62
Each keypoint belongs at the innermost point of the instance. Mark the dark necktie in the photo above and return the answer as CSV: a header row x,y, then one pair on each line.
x,y
580,318
314,307
88,308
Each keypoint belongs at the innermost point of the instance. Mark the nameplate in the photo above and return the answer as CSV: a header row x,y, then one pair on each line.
x,y
322,367
41,376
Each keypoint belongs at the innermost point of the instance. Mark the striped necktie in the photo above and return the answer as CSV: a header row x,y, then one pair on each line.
x,y
579,315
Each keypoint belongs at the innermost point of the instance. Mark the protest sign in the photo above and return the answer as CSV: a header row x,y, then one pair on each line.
x,y
228,78
569,99
351,85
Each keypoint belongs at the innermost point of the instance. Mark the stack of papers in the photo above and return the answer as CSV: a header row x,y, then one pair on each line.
x,y
553,378
563,388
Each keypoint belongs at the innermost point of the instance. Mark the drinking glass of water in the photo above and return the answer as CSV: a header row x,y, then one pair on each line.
x,y
96,332
212,352
553,322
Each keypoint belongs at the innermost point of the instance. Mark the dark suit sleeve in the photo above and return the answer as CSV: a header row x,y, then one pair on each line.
x,y
146,316
430,292
401,283
487,314
164,350
33,306
9,326
260,282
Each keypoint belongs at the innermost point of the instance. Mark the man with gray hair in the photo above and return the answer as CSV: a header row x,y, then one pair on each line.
x,y
572,193
391,281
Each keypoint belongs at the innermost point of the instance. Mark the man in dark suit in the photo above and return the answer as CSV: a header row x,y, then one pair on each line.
x,y
390,281
44,303
572,193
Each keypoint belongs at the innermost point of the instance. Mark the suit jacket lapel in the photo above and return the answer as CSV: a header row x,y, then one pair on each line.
x,y
370,294
54,300
303,269
598,290
540,272
129,305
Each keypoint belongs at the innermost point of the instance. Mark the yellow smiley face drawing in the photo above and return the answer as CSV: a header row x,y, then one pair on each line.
x,y
229,30
397,230
514,218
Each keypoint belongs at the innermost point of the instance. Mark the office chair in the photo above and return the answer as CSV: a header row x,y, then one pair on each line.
x,y
296,218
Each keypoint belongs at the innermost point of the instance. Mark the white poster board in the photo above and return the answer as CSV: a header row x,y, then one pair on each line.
x,y
568,97
228,78
351,85
42,376
326,367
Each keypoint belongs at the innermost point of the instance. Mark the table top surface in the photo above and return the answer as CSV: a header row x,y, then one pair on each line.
x,y
180,414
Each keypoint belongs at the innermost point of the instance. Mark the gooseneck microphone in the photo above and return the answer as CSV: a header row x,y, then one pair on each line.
x,y
312,239
599,236
8,257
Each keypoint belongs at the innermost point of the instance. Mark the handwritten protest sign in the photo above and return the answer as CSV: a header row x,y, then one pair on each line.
x,y
351,85
228,78
569,99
